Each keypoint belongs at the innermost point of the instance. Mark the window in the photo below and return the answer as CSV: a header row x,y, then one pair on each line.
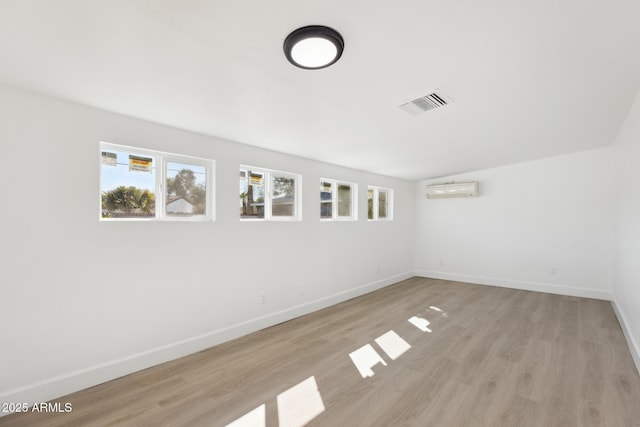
x,y
379,203
337,200
269,195
144,184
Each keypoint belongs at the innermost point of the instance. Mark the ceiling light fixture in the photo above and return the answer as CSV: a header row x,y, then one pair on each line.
x,y
313,47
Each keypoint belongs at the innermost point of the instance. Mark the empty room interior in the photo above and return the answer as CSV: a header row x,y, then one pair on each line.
x,y
295,213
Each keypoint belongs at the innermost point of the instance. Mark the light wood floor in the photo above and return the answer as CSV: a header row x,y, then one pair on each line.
x,y
491,357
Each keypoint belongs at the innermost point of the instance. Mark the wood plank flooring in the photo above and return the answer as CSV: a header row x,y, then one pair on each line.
x,y
478,356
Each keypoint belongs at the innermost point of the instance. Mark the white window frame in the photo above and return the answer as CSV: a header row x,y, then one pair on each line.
x,y
268,194
334,200
376,199
160,158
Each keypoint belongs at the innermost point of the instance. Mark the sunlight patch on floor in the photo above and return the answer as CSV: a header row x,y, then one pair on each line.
x,y
366,358
300,404
392,344
420,323
255,418
439,310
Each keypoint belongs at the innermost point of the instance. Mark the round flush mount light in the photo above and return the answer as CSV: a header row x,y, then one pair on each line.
x,y
313,47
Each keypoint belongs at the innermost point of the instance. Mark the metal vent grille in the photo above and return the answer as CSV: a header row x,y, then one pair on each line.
x,y
426,103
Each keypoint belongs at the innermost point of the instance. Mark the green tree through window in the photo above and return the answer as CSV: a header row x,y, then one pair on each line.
x,y
184,185
128,200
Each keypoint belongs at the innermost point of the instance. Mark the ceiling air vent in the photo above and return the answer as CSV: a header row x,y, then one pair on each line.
x,y
426,103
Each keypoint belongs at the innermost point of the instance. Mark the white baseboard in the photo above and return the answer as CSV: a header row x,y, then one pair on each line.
x,y
518,284
62,385
634,349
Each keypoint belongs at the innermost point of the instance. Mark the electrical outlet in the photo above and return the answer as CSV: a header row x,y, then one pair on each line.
x,y
263,298
378,268
554,271
300,288
440,263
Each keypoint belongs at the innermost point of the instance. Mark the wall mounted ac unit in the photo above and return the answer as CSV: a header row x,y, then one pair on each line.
x,y
452,189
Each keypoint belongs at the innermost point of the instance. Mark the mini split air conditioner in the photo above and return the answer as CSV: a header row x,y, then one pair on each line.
x,y
452,189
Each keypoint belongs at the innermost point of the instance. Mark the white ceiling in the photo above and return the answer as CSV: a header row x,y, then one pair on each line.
x,y
530,79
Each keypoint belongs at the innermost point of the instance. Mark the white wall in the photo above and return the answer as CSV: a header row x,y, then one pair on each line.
x,y
530,218
83,301
626,266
